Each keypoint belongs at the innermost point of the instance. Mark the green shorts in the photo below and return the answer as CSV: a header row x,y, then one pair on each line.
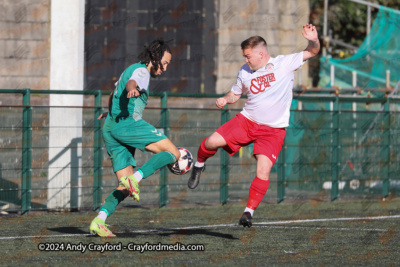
x,y
123,137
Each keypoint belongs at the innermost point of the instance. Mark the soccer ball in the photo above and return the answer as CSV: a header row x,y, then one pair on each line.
x,y
184,163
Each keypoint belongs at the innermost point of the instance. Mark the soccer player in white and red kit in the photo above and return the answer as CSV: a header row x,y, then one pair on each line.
x,y
268,84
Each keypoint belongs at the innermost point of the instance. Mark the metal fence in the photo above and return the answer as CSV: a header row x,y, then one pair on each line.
x,y
342,146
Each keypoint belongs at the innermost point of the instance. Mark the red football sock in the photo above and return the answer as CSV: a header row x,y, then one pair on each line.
x,y
203,153
258,189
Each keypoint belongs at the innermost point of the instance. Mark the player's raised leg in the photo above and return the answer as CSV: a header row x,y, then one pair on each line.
x,y
165,153
207,149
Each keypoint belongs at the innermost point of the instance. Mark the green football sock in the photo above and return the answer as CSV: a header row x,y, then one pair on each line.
x,y
112,201
156,162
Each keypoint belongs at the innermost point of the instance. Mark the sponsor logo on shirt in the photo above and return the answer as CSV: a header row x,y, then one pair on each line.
x,y
259,84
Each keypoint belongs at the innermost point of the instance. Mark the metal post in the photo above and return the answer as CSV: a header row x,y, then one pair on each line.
x,y
325,28
332,75
387,78
224,174
354,80
354,108
163,198
368,19
26,153
300,78
368,25
385,150
98,154
281,174
335,150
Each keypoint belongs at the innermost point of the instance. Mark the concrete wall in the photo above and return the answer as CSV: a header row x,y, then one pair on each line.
x,y
24,44
25,37
29,58
278,22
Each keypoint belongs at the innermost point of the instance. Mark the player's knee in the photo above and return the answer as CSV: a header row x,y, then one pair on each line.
x,y
211,143
263,173
215,141
263,176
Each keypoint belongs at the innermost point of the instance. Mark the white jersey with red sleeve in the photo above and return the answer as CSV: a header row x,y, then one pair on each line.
x,y
269,90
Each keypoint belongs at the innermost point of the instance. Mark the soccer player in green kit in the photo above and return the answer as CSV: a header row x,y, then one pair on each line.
x,y
124,130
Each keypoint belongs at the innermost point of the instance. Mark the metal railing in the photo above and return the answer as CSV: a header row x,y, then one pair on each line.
x,y
224,160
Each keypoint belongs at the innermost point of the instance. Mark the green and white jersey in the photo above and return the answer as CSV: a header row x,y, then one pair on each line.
x,y
122,106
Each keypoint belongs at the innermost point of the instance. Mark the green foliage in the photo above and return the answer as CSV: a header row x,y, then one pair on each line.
x,y
346,19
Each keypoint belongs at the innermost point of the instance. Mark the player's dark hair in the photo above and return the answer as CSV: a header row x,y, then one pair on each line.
x,y
154,53
252,42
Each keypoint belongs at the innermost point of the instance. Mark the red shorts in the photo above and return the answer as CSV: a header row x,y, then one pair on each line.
x,y
241,131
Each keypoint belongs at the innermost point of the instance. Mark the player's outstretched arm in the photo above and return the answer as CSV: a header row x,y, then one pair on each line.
x,y
310,33
229,98
131,88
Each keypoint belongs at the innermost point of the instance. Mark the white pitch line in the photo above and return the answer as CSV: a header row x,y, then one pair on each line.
x,y
332,220
262,224
327,228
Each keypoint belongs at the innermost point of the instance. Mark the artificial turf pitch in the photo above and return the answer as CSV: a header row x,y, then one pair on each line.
x,y
311,233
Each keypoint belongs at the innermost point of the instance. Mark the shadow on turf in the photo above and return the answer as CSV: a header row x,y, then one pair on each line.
x,y
68,230
182,232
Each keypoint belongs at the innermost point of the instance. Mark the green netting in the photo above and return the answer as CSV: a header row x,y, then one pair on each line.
x,y
366,142
379,52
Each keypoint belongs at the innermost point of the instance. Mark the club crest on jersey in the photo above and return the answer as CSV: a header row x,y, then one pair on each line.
x,y
269,67
259,84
